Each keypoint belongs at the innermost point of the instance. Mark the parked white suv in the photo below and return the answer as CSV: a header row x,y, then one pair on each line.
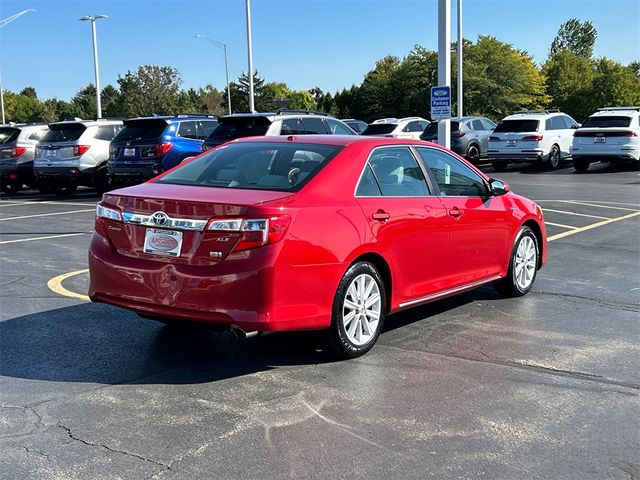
x,y
610,134
542,136
408,127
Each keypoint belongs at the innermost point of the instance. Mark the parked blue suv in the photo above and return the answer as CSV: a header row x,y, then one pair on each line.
x,y
148,146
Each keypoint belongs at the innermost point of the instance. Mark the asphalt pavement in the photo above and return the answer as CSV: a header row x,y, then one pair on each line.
x,y
541,387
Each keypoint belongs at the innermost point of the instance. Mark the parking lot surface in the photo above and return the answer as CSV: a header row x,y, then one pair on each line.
x,y
475,386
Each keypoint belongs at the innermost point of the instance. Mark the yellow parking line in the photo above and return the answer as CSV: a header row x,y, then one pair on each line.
x,y
55,285
576,214
573,202
592,226
560,225
41,238
46,214
599,201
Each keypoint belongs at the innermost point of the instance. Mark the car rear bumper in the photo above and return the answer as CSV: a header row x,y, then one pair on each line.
x,y
515,156
134,173
630,155
64,175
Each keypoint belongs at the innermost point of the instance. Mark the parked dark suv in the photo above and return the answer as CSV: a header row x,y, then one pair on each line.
x,y
469,136
283,122
17,151
148,146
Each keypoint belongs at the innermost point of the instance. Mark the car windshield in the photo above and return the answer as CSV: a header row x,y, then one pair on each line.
x,y
379,128
516,126
239,127
8,134
283,167
607,122
142,130
64,132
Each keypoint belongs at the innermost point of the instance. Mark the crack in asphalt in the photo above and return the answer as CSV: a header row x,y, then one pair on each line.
x,y
629,307
39,452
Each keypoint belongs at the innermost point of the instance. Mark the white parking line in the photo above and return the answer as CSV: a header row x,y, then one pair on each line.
x,y
560,225
10,204
576,214
573,202
42,238
47,202
46,214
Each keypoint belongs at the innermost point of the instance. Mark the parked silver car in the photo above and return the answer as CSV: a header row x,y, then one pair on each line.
x,y
17,150
75,153
469,136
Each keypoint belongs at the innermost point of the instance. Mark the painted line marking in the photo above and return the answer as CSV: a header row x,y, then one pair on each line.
x,y
573,202
42,238
55,285
10,204
46,214
576,214
561,225
599,201
47,202
592,226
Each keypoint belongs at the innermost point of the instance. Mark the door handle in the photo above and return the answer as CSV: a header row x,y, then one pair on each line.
x,y
381,216
455,212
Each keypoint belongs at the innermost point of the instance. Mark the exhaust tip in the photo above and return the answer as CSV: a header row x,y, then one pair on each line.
x,y
243,334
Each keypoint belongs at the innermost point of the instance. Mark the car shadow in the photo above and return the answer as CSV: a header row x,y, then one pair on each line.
x,y
566,168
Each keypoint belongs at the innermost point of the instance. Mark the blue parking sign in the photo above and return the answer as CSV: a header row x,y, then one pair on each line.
x,y
440,103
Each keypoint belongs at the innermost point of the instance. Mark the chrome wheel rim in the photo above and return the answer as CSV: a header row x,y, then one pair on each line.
x,y
525,262
555,157
361,309
474,155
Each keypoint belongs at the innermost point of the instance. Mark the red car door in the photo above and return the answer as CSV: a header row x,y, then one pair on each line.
x,y
480,223
411,226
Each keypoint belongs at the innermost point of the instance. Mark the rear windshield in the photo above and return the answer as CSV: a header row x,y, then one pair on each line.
x,y
516,126
240,127
142,130
604,122
285,167
379,129
8,134
66,132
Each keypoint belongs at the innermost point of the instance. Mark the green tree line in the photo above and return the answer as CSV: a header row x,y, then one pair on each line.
x,y
498,79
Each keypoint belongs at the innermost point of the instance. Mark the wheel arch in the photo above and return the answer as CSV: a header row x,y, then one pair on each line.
x,y
537,231
382,266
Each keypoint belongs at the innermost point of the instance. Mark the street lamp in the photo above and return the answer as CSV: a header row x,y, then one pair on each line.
x,y
223,46
3,23
250,55
92,19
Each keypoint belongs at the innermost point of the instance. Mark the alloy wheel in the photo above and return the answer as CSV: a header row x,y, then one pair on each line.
x,y
525,262
361,309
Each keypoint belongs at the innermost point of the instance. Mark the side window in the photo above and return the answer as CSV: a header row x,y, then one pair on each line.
x,y
187,130
454,179
208,127
555,123
314,126
105,132
569,122
477,125
292,126
337,128
37,135
488,124
398,173
368,186
413,127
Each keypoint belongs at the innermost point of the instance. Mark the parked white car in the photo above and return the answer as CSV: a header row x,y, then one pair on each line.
x,y
611,134
408,127
542,136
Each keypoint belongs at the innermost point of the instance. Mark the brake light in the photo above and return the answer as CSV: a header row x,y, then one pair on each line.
x,y
255,232
112,151
494,139
17,151
80,150
162,148
532,138
457,135
106,212
627,134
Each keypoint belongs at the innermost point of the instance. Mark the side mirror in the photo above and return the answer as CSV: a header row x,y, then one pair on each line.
x,y
498,187
575,126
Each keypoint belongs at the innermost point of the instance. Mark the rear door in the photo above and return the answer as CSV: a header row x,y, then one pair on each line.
x,y
480,224
410,223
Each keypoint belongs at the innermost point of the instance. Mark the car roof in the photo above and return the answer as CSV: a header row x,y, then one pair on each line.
x,y
282,114
608,111
89,123
335,140
176,118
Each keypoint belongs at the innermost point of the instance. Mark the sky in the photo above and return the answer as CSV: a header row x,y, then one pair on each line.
x,y
331,44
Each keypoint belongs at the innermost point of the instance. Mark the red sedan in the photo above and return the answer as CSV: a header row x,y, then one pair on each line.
x,y
312,232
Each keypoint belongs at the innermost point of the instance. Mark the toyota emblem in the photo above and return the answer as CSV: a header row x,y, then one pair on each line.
x,y
160,218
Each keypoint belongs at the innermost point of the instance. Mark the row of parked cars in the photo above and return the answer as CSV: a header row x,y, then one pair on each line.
x,y
106,153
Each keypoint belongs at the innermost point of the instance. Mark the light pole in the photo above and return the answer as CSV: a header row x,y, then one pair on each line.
x,y
4,22
223,46
92,19
250,55
460,58
444,64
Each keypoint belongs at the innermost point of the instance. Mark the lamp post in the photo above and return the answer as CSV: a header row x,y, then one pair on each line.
x,y
3,23
250,55
223,46
460,40
92,19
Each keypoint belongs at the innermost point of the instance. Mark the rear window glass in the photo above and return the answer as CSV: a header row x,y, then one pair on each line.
x,y
605,122
256,166
67,132
506,126
142,130
232,128
432,129
379,129
8,135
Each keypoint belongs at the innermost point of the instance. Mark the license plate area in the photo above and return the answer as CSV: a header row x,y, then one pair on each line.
x,y
162,242
50,153
511,143
129,152
599,139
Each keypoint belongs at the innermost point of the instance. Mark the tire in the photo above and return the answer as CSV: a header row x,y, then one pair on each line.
x,y
518,282
65,190
356,336
500,166
11,187
45,189
553,161
101,181
473,154
581,165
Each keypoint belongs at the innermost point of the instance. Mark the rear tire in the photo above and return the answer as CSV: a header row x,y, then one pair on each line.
x,y
101,181
523,265
473,154
11,187
66,190
358,314
500,166
554,158
580,165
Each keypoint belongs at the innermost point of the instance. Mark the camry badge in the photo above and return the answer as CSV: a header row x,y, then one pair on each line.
x,y
160,218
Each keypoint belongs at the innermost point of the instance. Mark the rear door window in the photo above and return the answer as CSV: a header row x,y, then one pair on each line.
x,y
106,132
337,128
397,172
488,124
555,123
292,126
314,126
187,130
67,132
208,126
230,128
477,125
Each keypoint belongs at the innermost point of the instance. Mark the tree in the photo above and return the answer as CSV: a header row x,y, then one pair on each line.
x,y
614,85
29,92
21,108
302,100
570,83
575,36
150,90
84,102
110,99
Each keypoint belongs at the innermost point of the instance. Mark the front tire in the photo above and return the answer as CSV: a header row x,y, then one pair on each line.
x,y
358,314
523,266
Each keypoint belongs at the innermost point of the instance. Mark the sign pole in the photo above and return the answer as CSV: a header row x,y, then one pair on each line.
x,y
444,64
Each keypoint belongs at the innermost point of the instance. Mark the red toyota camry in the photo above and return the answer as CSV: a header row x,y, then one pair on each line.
x,y
312,232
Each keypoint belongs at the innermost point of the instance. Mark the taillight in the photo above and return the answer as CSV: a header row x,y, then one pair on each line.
x,y
625,134
457,135
106,212
80,150
162,148
494,139
113,151
17,151
255,232
532,138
